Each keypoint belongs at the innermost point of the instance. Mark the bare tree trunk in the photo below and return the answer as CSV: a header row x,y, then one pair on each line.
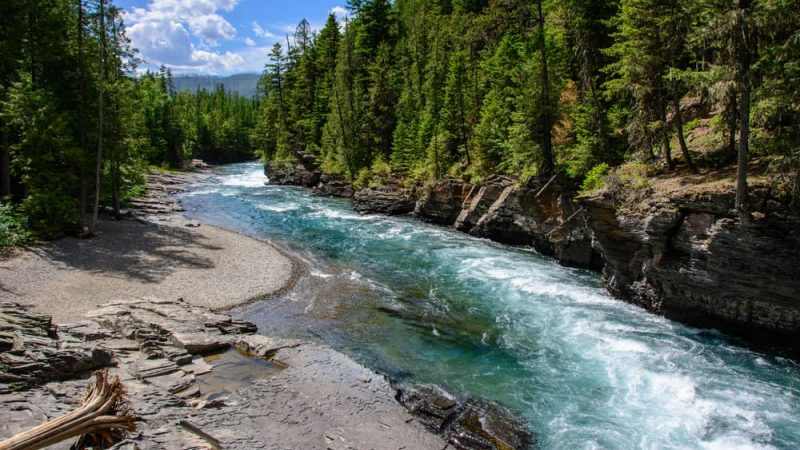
x,y
82,118
744,59
742,159
676,101
5,164
115,195
547,144
732,113
461,107
662,112
104,413
100,80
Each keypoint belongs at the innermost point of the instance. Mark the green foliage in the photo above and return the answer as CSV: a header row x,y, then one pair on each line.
x,y
629,184
595,179
13,227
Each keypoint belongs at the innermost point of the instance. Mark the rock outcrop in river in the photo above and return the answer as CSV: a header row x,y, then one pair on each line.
x,y
292,174
390,200
441,201
690,258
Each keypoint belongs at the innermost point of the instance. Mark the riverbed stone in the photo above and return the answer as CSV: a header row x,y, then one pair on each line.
x,y
333,185
466,423
292,174
390,200
319,399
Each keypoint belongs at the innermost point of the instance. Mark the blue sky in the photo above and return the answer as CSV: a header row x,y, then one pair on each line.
x,y
216,36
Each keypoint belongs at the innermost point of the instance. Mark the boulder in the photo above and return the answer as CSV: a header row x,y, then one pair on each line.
x,y
481,197
334,186
540,213
691,259
389,200
291,173
466,423
441,201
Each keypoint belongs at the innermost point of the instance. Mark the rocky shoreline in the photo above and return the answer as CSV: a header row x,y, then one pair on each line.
x,y
684,254
199,378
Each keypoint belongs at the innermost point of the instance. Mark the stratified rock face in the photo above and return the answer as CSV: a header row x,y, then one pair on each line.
x,y
690,259
30,352
539,213
479,200
292,174
334,186
389,200
441,201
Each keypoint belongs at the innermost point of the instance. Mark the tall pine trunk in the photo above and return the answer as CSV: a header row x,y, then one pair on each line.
x,y
82,119
5,164
676,103
743,56
547,144
100,88
732,114
662,116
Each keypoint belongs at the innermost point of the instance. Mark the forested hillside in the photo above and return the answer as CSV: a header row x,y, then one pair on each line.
x,y
421,88
244,84
79,129
468,88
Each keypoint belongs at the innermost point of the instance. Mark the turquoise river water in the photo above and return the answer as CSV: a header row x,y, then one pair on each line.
x,y
426,304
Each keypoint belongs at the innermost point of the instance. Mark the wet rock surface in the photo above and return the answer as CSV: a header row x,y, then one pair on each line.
x,y
334,186
292,173
441,201
691,259
160,191
317,398
540,213
390,200
478,201
466,424
31,353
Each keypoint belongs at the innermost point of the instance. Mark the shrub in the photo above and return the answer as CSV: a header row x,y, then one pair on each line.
x,y
13,227
594,179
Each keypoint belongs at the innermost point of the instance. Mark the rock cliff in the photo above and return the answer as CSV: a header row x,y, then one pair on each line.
x,y
683,253
292,173
539,213
390,200
690,258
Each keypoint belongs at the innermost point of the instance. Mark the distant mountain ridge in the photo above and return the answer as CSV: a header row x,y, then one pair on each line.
x,y
245,84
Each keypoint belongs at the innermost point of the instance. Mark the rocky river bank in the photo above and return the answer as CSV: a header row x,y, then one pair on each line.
x,y
682,253
200,378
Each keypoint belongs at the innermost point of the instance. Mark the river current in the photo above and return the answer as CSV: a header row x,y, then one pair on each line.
x,y
427,304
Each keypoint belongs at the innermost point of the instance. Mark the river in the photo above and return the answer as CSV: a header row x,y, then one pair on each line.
x,y
426,304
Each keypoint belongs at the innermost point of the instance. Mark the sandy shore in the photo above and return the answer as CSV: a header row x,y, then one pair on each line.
x,y
205,265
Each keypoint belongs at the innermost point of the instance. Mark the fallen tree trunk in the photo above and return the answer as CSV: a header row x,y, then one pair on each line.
x,y
103,417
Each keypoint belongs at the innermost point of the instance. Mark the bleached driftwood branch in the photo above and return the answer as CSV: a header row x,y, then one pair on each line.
x,y
103,416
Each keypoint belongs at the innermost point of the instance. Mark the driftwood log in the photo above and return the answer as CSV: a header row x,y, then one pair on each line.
x,y
101,419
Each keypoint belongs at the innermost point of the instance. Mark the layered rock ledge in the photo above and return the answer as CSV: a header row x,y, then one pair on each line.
x,y
683,254
179,365
690,258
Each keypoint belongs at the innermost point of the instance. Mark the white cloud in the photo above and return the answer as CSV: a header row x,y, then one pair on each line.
x,y
165,32
261,32
339,12
249,42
